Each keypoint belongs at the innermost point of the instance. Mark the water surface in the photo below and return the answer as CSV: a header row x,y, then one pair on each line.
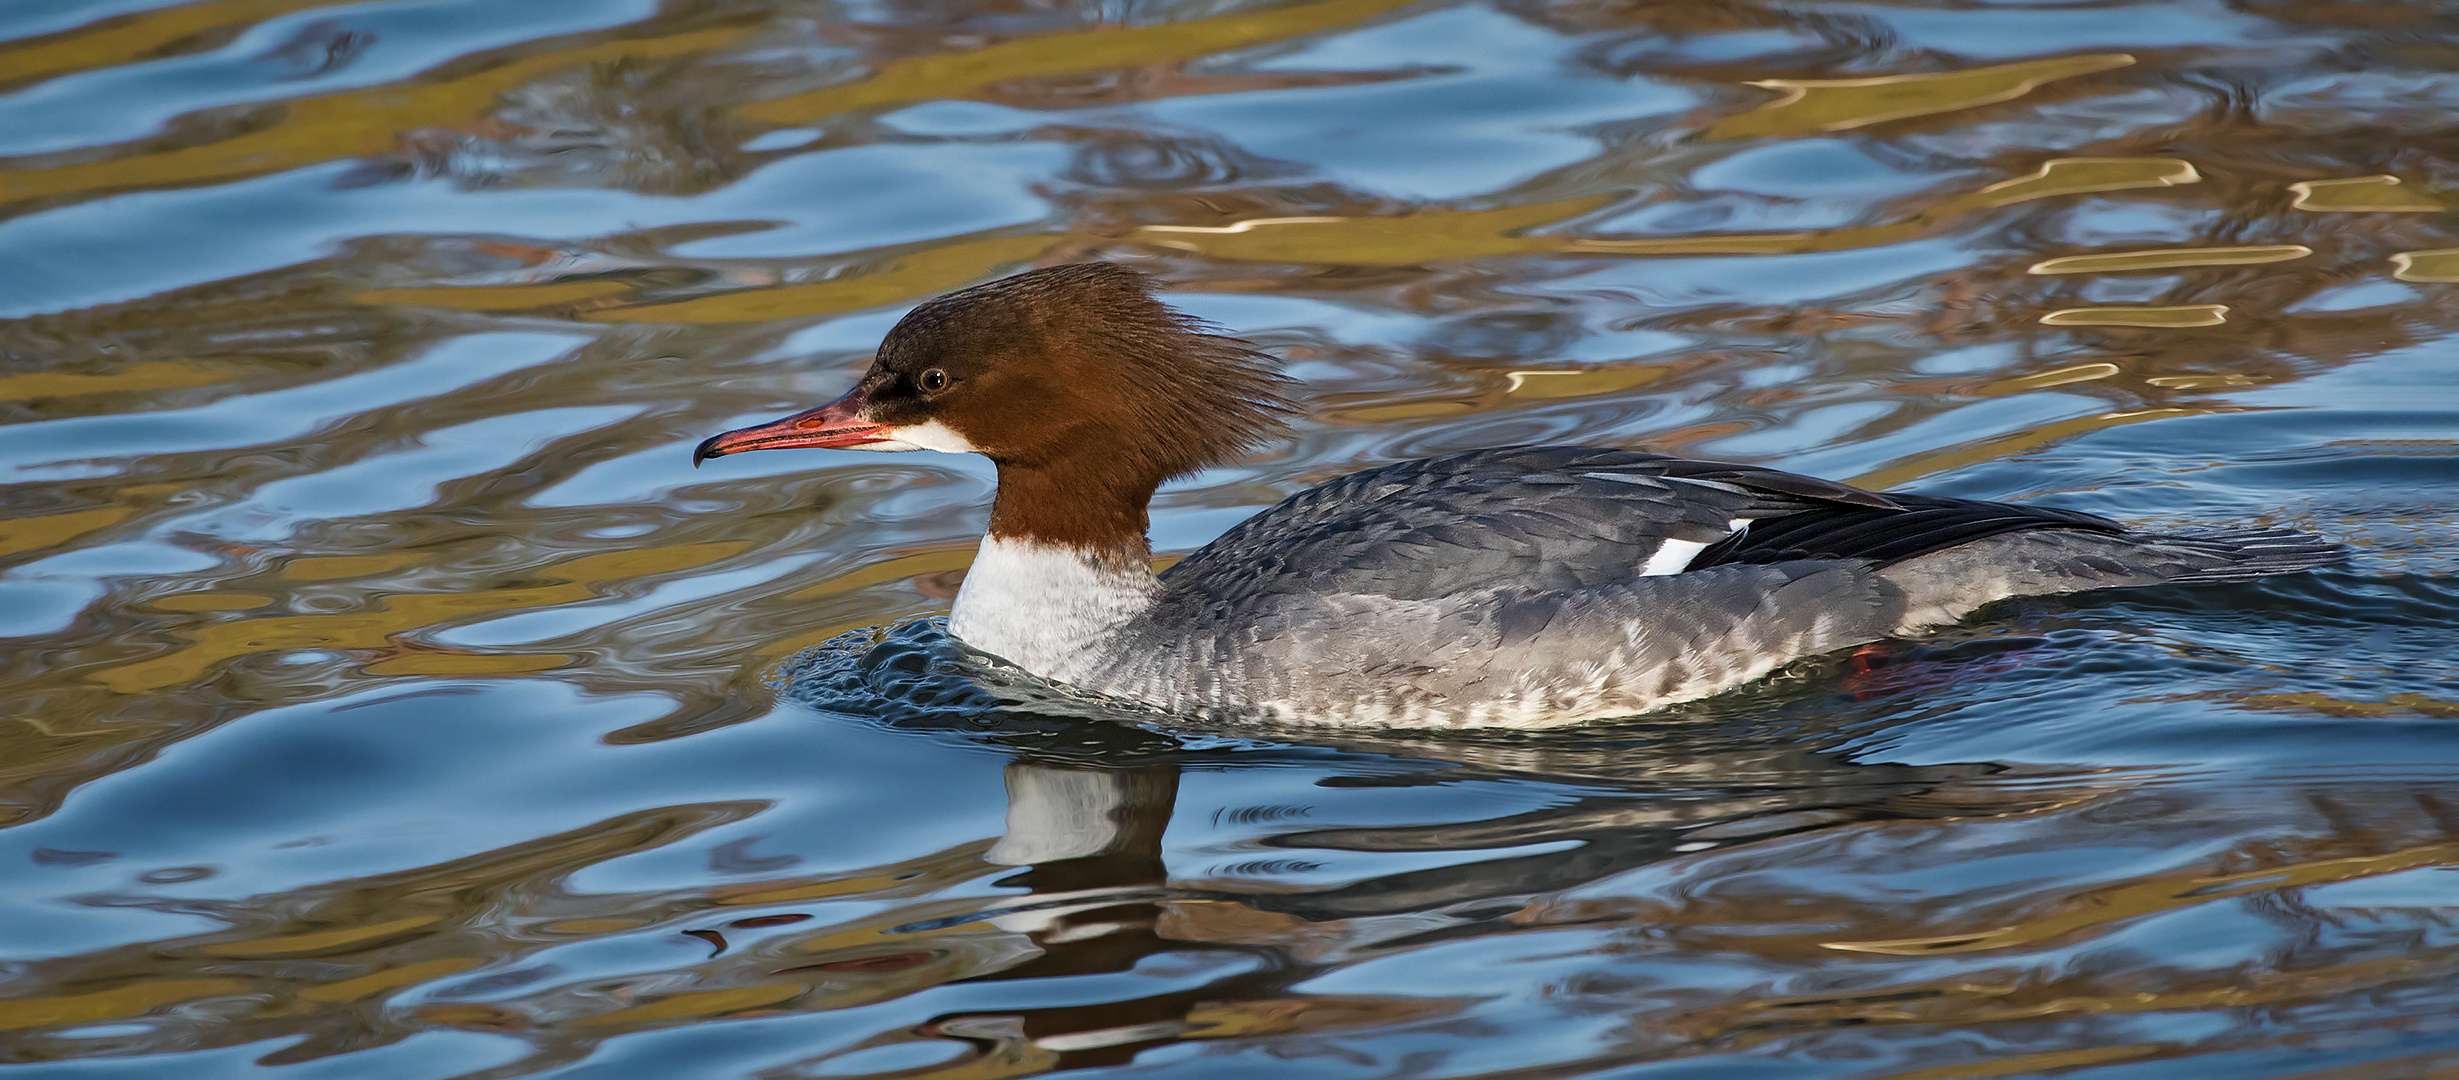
x,y
386,695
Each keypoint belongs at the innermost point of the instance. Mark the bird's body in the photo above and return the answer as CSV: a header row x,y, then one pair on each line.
x,y
1519,587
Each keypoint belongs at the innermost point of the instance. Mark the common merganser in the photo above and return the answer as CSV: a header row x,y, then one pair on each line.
x,y
1521,587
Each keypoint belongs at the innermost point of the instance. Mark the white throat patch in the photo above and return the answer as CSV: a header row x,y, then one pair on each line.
x,y
934,436
1047,608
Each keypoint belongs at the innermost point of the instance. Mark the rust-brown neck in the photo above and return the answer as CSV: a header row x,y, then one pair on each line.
x,y
1073,502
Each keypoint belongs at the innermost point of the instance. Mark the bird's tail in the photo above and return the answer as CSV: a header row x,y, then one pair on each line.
x,y
1944,586
2235,554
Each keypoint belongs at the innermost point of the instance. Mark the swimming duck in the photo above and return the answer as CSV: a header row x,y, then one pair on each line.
x,y
1520,587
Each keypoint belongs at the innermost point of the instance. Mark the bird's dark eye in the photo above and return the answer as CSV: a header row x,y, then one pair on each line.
x,y
934,380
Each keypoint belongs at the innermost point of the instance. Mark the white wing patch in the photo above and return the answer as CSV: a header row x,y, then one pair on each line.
x,y
1674,556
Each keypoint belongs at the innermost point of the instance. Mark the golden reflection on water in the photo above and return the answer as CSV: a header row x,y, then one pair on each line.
x,y
2152,897
2178,316
2052,249
2363,195
2170,259
1810,105
2441,265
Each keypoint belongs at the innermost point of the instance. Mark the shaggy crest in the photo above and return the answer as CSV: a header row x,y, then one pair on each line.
x,y
1179,394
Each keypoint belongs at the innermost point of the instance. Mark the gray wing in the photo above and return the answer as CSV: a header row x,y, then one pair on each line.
x,y
1543,518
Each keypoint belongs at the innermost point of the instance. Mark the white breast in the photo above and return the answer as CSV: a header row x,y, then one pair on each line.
x,y
1046,608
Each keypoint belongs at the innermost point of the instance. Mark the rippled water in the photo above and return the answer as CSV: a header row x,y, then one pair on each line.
x,y
386,696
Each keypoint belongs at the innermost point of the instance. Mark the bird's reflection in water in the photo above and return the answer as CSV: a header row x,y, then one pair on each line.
x,y
1089,804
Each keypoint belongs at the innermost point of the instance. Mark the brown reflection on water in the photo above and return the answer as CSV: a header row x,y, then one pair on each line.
x,y
2035,962
2098,239
1723,849
309,131
999,69
133,37
321,961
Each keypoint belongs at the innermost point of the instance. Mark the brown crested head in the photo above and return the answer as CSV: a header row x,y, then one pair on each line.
x,y
1085,390
1077,362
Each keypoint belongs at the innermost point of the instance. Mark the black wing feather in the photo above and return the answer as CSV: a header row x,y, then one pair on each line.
x,y
1926,523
